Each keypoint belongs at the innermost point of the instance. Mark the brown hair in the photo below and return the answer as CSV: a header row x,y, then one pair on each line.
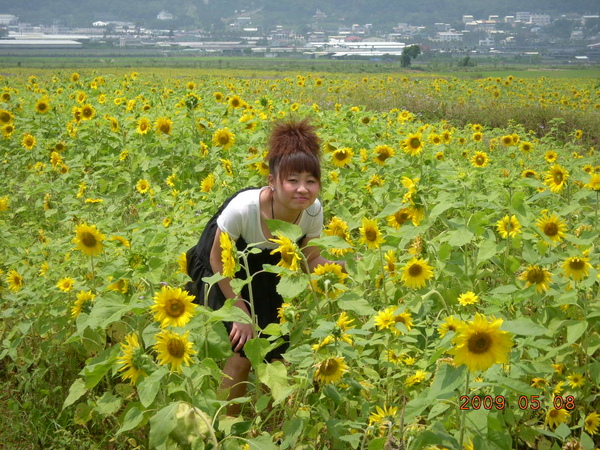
x,y
294,147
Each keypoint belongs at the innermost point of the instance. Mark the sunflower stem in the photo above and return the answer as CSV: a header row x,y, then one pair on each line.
x,y
385,297
463,418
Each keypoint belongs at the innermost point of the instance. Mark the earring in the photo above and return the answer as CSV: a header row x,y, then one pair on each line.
x,y
272,189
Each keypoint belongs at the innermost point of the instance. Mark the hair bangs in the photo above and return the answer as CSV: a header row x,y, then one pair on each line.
x,y
297,162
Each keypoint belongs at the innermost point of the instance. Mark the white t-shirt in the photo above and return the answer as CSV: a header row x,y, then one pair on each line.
x,y
241,217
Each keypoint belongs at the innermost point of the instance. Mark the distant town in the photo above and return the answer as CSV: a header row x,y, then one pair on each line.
x,y
570,39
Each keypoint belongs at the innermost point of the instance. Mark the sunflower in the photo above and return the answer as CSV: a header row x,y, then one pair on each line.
x,y
163,125
578,134
338,227
592,422
65,284
114,124
223,138
15,281
4,203
174,349
528,173
236,102
450,323
576,380
440,156
507,140
594,183
142,186
74,77
550,156
479,159
576,267
401,216
83,298
42,106
412,144
385,319
416,272
8,130
227,166
120,285
526,147
480,344
342,156
88,239
290,254
556,178
228,255
538,382
6,116
370,234
382,153
28,141
219,96
87,112
508,226
468,298
384,419
552,227
207,183
131,359
555,417
329,275
538,276
417,378
173,307
330,370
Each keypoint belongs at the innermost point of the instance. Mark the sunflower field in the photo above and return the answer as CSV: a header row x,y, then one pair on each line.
x,y
468,317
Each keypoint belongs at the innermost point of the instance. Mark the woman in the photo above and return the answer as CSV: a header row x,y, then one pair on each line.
x,y
291,195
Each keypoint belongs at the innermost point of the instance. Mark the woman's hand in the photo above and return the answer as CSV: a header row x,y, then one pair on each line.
x,y
239,335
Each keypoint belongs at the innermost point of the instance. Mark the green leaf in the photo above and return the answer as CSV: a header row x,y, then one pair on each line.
x,y
562,431
76,391
292,430
149,386
292,285
98,367
133,417
282,228
105,311
108,404
459,237
575,329
275,376
487,249
229,313
256,350
162,423
447,379
350,301
328,242
524,327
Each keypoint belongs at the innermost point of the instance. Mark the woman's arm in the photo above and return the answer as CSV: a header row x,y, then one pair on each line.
x,y
240,332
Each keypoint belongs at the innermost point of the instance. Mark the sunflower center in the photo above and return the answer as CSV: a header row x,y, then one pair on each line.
x,y
329,367
479,343
535,276
415,143
577,264
223,139
175,308
88,239
176,348
401,217
551,229
480,160
371,234
415,270
341,155
558,177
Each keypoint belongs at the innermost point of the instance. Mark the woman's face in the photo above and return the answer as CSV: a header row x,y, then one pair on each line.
x,y
296,191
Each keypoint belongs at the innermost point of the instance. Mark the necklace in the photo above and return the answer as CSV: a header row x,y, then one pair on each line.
x,y
273,211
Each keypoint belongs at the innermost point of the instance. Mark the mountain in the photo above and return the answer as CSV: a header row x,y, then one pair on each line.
x,y
214,14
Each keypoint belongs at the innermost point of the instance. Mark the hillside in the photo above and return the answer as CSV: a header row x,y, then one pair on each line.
x,y
210,13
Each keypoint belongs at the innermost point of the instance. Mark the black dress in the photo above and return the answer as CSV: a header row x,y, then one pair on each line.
x,y
266,299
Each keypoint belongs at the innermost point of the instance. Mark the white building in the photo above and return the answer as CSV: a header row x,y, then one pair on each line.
x,y
448,36
164,15
541,20
8,19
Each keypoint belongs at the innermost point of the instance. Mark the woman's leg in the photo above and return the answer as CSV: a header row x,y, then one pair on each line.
x,y
236,372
